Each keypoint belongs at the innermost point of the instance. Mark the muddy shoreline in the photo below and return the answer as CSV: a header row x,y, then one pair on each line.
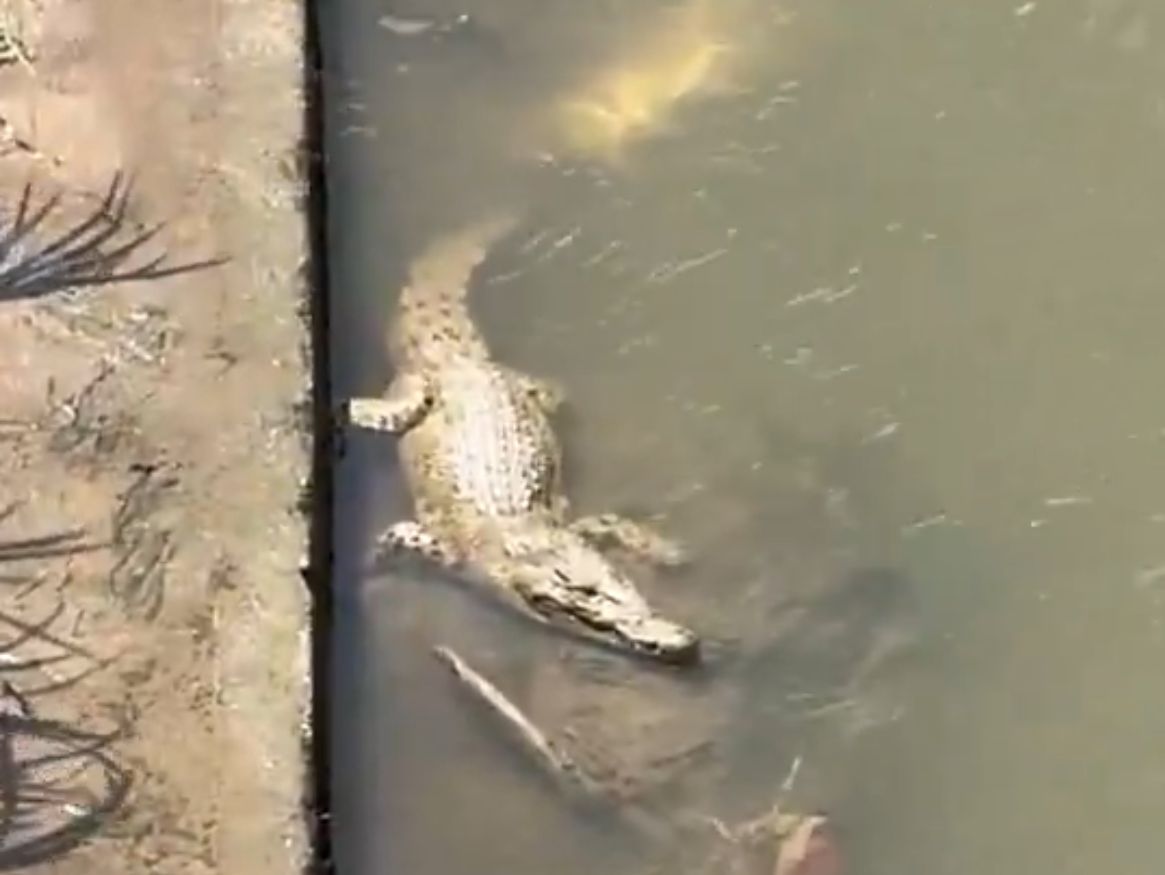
x,y
156,540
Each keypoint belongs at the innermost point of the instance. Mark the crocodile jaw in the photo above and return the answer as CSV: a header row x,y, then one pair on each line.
x,y
660,638
629,628
575,583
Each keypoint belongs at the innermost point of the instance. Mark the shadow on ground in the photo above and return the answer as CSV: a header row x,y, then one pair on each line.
x,y
35,262
58,782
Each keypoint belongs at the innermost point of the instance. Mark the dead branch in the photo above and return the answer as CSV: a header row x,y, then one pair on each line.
x,y
557,764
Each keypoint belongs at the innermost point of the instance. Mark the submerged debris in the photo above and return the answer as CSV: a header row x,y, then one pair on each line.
x,y
554,761
420,25
807,848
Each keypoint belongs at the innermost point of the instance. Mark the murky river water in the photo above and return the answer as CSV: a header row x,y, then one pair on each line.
x,y
890,308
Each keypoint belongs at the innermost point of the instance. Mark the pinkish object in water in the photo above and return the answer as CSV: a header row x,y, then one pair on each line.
x,y
809,849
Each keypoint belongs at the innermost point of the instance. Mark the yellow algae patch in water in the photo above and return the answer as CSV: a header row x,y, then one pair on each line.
x,y
688,53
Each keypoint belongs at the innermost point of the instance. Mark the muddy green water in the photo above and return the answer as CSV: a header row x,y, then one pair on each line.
x,y
896,303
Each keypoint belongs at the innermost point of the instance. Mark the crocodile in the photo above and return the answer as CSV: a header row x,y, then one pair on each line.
x,y
484,468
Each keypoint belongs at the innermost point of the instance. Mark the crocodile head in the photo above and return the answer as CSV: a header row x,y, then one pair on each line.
x,y
566,580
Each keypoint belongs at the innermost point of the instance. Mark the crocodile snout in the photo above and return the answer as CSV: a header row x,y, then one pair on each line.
x,y
607,607
661,639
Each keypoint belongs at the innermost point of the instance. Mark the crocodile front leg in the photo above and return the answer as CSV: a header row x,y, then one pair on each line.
x,y
403,405
409,536
630,535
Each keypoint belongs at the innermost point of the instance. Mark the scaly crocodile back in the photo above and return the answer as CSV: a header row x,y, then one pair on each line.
x,y
484,467
433,325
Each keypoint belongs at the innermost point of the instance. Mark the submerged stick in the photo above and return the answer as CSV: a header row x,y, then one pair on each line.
x,y
558,764
803,844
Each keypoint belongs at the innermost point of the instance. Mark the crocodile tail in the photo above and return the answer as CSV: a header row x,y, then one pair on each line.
x,y
433,318
441,272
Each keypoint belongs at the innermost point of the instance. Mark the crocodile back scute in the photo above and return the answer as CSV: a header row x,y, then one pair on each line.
x,y
488,442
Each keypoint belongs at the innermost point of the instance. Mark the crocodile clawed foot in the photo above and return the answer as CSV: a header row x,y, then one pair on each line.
x,y
410,537
632,536
549,395
403,405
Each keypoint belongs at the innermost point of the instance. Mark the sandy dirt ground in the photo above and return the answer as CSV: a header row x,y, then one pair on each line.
x,y
154,439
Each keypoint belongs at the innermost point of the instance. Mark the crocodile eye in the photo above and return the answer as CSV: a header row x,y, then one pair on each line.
x,y
561,575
